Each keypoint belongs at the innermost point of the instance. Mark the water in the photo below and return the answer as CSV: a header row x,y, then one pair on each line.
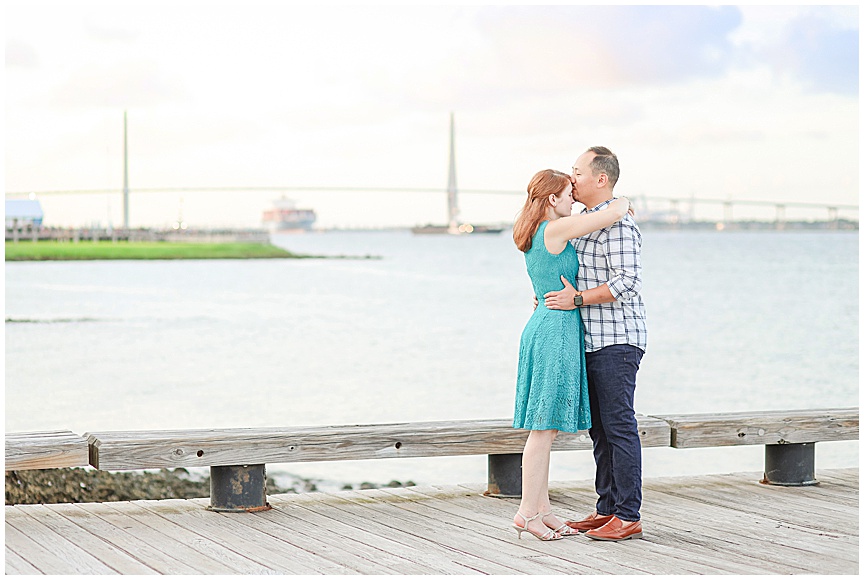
x,y
737,322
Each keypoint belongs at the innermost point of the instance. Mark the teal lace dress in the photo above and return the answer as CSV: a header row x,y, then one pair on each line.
x,y
552,385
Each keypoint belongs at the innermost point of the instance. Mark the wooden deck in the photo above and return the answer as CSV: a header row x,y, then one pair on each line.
x,y
713,524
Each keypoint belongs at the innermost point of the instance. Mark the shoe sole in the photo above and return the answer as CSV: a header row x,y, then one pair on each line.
x,y
637,535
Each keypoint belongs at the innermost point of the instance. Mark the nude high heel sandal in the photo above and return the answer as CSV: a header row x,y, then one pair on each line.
x,y
564,530
548,536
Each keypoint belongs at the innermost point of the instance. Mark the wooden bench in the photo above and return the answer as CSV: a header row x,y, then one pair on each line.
x,y
789,437
45,450
237,457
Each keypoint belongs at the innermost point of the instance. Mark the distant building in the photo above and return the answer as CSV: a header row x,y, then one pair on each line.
x,y
23,212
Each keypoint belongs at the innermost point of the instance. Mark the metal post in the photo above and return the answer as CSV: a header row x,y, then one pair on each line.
x,y
790,464
238,488
505,475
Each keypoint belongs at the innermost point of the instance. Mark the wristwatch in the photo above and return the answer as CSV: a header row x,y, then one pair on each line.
x,y
577,300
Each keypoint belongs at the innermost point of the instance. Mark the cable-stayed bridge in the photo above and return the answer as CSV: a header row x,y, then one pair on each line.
x,y
659,209
663,208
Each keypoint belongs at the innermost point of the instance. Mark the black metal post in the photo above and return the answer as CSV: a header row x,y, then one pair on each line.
x,y
505,475
238,488
790,464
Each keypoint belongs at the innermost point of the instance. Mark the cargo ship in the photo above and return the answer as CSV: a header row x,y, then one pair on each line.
x,y
285,216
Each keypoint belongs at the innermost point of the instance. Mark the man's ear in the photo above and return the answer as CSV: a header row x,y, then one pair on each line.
x,y
602,180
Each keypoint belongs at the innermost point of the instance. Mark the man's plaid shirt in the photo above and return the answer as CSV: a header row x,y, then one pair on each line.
x,y
612,256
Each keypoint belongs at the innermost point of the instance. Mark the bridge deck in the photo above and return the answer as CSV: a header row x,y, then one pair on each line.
x,y
711,524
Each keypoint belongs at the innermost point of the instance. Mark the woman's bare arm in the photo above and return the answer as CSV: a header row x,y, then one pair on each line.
x,y
559,232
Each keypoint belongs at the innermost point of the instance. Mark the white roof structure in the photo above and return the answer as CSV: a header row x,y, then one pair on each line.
x,y
24,210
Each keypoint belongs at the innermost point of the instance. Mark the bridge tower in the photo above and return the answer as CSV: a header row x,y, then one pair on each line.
x,y
125,177
452,202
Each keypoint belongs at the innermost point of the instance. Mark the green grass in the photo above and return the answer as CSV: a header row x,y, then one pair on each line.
x,y
85,250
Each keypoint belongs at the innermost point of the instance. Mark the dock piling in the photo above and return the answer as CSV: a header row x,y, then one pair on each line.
x,y
238,488
505,475
790,464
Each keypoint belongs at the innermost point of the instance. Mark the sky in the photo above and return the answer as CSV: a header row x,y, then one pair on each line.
x,y
716,102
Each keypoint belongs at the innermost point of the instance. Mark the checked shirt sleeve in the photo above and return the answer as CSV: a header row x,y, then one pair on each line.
x,y
622,248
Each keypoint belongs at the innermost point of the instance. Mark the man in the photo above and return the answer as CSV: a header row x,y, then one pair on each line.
x,y
608,285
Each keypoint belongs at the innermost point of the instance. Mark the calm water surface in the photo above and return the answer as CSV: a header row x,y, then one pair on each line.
x,y
430,331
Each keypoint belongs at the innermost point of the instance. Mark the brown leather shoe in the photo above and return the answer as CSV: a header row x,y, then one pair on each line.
x,y
616,530
592,522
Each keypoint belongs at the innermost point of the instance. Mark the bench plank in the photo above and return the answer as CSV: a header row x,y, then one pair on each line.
x,y
45,450
765,428
123,450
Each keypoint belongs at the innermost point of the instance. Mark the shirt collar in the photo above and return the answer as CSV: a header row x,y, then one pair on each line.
x,y
599,206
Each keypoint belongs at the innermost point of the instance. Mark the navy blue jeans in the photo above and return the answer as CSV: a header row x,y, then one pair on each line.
x,y
614,432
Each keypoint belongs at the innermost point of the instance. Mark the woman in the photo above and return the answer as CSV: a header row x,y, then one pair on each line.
x,y
552,386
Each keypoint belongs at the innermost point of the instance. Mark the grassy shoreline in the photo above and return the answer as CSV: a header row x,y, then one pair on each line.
x,y
84,250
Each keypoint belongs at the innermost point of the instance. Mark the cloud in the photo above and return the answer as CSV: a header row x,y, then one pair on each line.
x,y
822,56
119,84
663,44
526,51
604,46
813,46
21,54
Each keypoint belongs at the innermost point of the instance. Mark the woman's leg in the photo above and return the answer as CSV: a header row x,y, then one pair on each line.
x,y
535,478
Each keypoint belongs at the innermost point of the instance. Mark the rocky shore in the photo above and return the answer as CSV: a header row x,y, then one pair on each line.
x,y
81,485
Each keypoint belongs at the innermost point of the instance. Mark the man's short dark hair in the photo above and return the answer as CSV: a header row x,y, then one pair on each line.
x,y
605,162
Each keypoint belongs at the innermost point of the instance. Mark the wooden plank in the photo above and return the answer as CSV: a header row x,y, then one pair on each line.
x,y
804,502
107,553
203,555
829,531
319,510
358,543
804,506
82,514
715,524
495,531
50,541
843,479
719,530
646,556
359,515
350,551
45,450
16,565
30,551
492,518
769,427
476,549
122,450
765,542
697,535
280,548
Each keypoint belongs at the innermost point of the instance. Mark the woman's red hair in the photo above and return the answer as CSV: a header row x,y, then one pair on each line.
x,y
544,183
